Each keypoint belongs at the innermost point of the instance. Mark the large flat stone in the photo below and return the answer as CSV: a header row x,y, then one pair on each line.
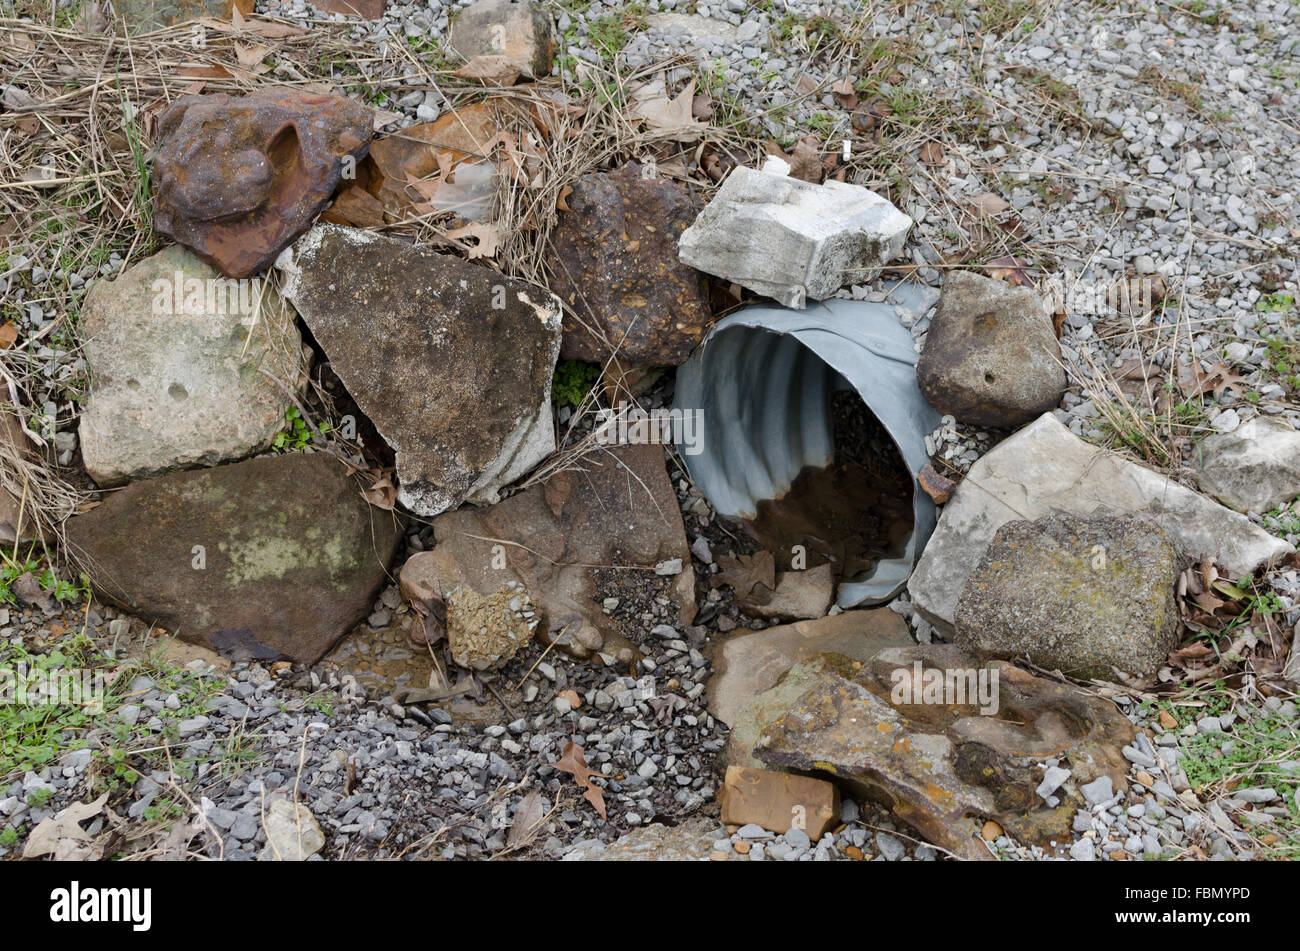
x,y
793,240
747,668
184,367
576,539
943,766
1045,469
451,362
271,558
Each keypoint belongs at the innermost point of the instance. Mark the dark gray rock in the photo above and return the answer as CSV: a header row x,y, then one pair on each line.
x,y
451,362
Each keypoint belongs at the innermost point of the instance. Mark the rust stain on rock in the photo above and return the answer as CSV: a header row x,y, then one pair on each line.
x,y
238,178
949,768
618,270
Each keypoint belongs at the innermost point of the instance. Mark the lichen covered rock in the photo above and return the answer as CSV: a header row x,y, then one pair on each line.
x,y
891,730
451,362
1081,595
486,630
270,558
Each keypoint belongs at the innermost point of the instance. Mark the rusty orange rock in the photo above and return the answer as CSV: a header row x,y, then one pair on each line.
x,y
238,178
779,801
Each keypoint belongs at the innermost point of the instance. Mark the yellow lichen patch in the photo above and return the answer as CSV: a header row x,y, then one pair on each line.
x,y
937,794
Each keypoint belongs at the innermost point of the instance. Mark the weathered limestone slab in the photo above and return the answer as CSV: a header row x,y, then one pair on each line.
x,y
188,368
1045,469
791,239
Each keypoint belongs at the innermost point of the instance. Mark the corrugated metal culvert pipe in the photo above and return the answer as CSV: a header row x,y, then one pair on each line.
x,y
765,378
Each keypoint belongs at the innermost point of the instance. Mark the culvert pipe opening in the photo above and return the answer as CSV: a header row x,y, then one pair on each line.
x,y
813,430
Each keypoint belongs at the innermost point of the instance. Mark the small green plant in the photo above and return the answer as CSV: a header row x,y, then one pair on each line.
x,y
1286,519
429,52
39,796
143,192
12,567
1284,360
296,436
608,35
572,382
320,702
1256,753
9,838
1275,303
1001,16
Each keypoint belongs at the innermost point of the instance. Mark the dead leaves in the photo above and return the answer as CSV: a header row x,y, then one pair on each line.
x,y
572,761
845,94
988,205
492,70
267,29
61,835
749,575
669,118
1217,381
1235,634
487,239
718,161
451,166
868,116
805,161
250,57
932,153
1011,269
529,816
382,492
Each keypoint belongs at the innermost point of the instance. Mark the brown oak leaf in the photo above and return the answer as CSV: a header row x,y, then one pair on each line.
x,y
573,762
